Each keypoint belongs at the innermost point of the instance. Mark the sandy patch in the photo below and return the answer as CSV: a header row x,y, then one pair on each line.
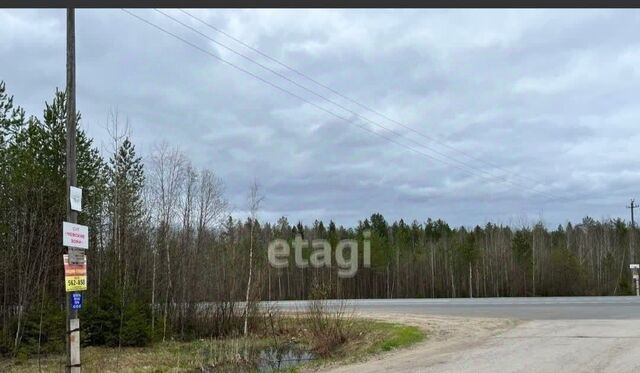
x,y
446,336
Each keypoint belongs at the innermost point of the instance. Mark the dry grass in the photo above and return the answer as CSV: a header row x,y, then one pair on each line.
x,y
357,340
163,357
371,337
329,330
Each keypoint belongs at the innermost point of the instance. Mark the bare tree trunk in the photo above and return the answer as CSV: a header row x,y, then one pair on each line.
x,y
433,277
533,262
153,295
246,305
254,205
166,302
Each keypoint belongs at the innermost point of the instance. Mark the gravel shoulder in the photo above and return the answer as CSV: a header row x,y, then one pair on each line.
x,y
458,344
445,335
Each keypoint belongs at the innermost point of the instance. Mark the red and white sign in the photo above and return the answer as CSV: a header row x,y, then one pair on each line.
x,y
75,235
75,275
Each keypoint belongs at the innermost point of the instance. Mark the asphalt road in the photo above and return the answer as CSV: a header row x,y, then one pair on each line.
x,y
555,334
533,308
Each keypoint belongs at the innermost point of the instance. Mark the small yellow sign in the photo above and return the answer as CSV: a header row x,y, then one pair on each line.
x,y
75,274
75,283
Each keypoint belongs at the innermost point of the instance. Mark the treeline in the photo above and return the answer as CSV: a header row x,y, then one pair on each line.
x,y
166,260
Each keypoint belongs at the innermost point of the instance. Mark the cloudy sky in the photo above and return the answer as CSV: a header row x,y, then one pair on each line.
x,y
484,115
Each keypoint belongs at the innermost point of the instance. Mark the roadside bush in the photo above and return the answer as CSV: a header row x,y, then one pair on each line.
x,y
328,329
625,287
107,322
6,344
43,329
220,319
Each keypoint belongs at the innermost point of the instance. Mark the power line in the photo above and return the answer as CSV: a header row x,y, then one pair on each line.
x,y
287,91
368,108
316,105
551,197
327,99
503,177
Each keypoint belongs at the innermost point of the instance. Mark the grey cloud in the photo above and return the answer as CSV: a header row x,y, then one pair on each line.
x,y
548,95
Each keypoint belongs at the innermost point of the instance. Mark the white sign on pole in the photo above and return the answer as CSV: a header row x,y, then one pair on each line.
x,y
75,235
76,256
632,266
75,197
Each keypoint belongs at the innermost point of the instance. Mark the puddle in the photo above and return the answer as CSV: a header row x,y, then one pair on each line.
x,y
260,360
273,359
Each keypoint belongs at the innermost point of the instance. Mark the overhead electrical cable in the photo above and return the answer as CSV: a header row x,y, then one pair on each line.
x,y
323,97
349,121
377,124
355,102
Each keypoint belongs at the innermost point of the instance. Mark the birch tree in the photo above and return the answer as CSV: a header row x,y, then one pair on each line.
x,y
254,201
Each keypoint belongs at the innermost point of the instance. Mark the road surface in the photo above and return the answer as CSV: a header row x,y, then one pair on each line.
x,y
533,308
569,334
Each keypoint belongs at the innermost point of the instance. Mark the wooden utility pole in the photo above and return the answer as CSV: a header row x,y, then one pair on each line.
x,y
632,252
73,324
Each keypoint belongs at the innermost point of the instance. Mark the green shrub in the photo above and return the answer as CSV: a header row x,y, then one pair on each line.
x,y
50,334
328,329
107,322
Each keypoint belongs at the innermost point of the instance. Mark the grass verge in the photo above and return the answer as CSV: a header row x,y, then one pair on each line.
x,y
375,337
366,339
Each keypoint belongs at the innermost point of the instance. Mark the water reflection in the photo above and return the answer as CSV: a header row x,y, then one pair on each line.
x,y
251,359
273,358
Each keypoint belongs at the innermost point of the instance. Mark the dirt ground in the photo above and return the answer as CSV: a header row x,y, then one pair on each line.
x,y
457,344
445,335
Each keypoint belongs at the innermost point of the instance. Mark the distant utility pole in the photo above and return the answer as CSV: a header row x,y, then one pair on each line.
x,y
73,324
632,252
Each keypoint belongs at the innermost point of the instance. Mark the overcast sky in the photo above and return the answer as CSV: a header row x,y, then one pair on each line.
x,y
529,114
